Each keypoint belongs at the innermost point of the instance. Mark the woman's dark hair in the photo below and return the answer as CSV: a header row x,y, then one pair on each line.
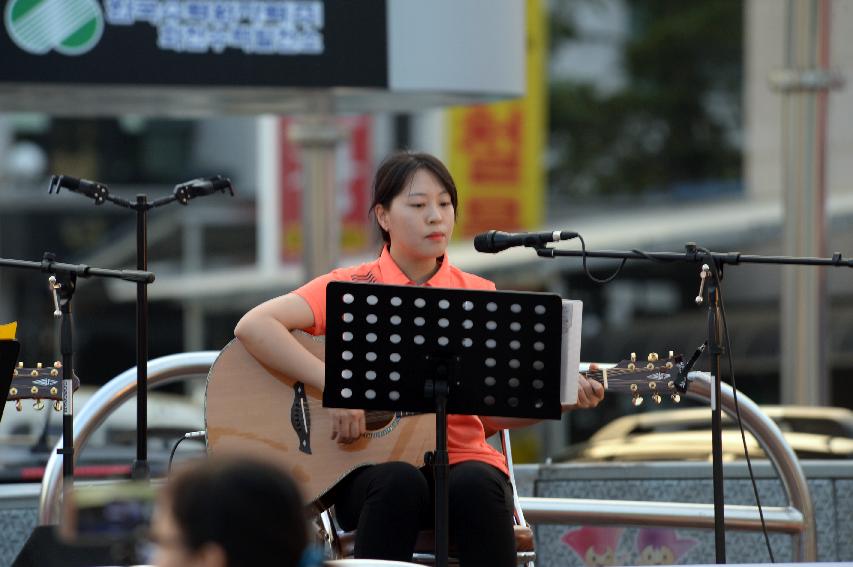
x,y
396,172
253,510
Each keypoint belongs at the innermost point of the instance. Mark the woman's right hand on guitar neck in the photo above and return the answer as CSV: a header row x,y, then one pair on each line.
x,y
348,425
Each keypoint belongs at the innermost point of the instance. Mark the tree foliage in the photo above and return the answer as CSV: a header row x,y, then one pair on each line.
x,y
676,121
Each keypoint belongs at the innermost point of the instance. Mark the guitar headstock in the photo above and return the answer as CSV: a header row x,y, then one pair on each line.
x,y
39,384
656,377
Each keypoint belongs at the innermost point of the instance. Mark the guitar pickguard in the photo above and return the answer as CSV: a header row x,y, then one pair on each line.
x,y
300,417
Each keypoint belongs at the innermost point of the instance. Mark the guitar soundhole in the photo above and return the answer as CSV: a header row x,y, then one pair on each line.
x,y
375,420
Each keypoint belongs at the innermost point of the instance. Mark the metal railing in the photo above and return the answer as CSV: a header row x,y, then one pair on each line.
x,y
797,518
164,370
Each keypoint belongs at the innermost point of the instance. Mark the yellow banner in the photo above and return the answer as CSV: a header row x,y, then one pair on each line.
x,y
496,151
7,331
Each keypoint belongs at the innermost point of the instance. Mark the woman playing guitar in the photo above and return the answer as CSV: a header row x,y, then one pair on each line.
x,y
414,204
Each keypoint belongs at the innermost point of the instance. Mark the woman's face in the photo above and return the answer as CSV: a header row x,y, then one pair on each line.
x,y
420,219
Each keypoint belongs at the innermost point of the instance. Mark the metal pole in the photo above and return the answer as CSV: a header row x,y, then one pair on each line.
x,y
317,137
268,194
804,375
140,469
715,349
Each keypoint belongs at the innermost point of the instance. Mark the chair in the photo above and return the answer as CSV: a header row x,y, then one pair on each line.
x,y
341,543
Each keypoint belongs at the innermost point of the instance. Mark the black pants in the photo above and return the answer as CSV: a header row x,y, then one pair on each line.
x,y
391,502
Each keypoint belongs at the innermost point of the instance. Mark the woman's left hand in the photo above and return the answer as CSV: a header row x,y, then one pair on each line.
x,y
590,393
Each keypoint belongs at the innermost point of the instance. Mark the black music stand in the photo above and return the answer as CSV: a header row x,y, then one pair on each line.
x,y
424,349
9,350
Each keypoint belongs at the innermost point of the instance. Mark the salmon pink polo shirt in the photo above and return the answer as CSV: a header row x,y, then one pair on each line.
x,y
466,437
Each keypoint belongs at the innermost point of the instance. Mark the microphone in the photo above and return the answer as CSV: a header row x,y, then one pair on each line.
x,y
202,186
495,240
92,189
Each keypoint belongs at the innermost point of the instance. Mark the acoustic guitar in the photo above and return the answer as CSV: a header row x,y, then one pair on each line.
x,y
252,409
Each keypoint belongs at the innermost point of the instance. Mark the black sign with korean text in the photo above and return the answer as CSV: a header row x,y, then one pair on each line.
x,y
223,43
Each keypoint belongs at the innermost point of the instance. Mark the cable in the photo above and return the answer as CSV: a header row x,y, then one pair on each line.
x,y
608,279
191,435
651,258
714,266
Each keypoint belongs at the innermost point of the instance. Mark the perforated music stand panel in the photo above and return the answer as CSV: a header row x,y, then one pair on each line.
x,y
9,350
385,343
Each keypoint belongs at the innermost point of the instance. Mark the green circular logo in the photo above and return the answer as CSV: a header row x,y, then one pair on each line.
x,y
71,27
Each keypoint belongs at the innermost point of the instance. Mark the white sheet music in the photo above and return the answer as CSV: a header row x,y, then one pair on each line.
x,y
571,350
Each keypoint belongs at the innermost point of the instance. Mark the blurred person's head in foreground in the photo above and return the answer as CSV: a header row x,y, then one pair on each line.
x,y
229,513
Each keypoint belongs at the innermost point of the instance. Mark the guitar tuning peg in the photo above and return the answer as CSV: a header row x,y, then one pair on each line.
x,y
18,405
668,364
38,365
671,354
38,404
653,357
34,372
656,398
20,364
633,357
54,391
34,390
636,398
57,405
57,364
54,372
674,396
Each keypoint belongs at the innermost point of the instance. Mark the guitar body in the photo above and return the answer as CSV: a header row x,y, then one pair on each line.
x,y
252,409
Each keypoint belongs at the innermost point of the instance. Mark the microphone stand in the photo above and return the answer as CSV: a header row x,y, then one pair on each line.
x,y
695,254
63,282
182,193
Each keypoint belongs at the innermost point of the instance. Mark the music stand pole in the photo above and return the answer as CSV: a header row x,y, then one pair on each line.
x,y
441,462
